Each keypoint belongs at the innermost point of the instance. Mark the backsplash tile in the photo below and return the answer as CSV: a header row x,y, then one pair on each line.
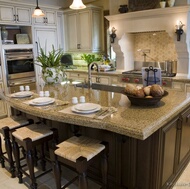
x,y
161,46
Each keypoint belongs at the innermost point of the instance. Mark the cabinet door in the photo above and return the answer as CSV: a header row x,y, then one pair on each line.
x,y
185,135
49,19
77,76
10,14
71,32
178,86
23,15
44,38
7,14
169,142
100,79
187,87
3,108
84,31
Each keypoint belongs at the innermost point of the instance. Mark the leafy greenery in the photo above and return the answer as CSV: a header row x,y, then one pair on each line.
x,y
89,58
51,65
52,59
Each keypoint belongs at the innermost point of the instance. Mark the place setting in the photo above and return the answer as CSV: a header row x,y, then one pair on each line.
x,y
91,110
22,94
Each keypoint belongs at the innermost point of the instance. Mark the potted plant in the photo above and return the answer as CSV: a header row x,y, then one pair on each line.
x,y
89,58
163,3
52,69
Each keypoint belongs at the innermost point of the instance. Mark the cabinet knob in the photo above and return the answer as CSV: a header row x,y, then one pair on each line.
x,y
78,46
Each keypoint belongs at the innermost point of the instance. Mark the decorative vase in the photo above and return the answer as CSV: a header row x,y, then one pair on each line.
x,y
171,3
123,9
4,33
162,4
54,75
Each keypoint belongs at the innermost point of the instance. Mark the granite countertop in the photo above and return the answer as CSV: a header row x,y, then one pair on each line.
x,y
133,121
178,78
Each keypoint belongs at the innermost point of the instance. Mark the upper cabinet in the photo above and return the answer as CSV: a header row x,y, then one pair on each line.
x,y
48,20
15,15
84,30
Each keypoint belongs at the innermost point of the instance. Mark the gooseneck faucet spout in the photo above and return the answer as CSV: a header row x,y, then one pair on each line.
x,y
90,74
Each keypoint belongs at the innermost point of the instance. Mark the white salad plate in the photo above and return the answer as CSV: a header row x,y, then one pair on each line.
x,y
22,94
42,101
85,108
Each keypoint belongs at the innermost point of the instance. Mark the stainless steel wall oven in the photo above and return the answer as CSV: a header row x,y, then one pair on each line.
x,y
19,64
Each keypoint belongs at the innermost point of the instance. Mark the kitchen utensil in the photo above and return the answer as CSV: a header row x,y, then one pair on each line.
x,y
171,68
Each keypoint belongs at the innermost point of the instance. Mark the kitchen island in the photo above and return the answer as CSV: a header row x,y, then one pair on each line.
x,y
149,146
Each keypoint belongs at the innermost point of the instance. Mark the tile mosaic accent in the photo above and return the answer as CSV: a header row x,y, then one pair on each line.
x,y
161,46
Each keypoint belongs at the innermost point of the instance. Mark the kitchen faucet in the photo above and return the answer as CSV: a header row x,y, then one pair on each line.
x,y
89,73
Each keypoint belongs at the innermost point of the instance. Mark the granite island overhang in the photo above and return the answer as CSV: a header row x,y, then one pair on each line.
x,y
133,121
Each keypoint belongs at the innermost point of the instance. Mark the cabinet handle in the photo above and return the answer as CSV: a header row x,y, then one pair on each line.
x,y
37,48
14,17
46,20
78,46
187,118
17,18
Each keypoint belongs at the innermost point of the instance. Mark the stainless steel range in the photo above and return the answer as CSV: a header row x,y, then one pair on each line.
x,y
135,76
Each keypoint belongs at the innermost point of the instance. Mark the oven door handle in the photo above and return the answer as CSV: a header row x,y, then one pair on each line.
x,y
19,58
11,84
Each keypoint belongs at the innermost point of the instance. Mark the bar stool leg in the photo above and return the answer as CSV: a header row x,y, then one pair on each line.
x,y
57,173
2,161
43,162
81,167
8,148
104,165
30,162
16,154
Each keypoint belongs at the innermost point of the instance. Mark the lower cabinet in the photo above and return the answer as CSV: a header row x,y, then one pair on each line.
x,y
100,79
170,140
184,150
77,76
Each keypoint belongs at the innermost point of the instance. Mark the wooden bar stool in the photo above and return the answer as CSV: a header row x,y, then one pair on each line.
x,y
79,152
6,126
30,137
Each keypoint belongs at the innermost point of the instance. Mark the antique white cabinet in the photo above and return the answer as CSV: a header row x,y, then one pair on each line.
x,y
44,38
15,15
3,106
83,30
48,20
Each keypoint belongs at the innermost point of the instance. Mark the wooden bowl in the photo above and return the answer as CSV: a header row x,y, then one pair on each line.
x,y
145,101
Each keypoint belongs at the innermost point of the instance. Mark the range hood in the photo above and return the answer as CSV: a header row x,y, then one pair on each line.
x,y
154,20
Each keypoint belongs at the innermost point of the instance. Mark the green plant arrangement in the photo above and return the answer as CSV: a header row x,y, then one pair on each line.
x,y
89,58
52,69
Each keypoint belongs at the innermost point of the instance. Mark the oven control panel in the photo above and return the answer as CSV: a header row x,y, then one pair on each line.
x,y
137,79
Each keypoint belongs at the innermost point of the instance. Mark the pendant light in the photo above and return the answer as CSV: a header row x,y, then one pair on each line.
x,y
77,4
38,12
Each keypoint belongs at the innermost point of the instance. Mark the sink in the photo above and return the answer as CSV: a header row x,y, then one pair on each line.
x,y
102,87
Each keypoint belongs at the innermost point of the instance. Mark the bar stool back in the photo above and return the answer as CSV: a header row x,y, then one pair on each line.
x,y
6,126
79,152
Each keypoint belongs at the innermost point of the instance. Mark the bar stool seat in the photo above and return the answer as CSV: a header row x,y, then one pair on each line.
x,y
29,138
6,126
79,152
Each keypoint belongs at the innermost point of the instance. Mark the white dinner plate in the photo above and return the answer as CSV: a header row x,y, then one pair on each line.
x,y
73,108
42,101
86,106
22,94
